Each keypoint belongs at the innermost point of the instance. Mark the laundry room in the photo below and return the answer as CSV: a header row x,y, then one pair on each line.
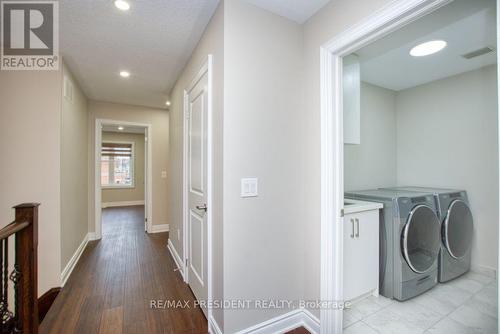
x,y
421,175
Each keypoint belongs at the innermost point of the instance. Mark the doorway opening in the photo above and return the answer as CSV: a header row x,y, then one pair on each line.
x,y
396,117
122,175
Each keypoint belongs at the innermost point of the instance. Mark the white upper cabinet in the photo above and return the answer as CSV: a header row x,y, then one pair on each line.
x,y
352,100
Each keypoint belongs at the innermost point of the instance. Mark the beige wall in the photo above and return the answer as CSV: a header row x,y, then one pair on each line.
x,y
74,170
264,138
135,194
331,20
30,170
159,119
372,164
212,42
448,137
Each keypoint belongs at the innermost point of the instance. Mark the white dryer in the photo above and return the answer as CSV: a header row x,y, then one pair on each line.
x,y
409,241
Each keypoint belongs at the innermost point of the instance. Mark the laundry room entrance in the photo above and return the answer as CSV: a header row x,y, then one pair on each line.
x,y
420,176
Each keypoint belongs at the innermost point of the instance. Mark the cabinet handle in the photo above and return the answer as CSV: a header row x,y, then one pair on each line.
x,y
352,223
357,228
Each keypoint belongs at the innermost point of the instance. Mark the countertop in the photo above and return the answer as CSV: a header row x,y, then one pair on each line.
x,y
354,206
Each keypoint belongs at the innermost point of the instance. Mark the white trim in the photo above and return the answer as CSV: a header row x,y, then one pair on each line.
x,y
286,322
160,228
310,322
484,270
176,257
121,203
99,123
213,326
92,236
207,67
74,260
382,22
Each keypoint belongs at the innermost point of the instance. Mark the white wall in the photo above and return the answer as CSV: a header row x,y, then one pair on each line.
x,y
448,137
372,164
74,171
263,137
136,193
30,169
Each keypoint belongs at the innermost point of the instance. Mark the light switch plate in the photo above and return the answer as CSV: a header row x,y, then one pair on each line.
x,y
249,187
164,174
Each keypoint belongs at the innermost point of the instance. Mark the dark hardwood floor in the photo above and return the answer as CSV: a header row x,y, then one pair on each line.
x,y
115,279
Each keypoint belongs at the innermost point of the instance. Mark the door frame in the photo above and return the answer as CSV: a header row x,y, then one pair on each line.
x,y
148,195
382,22
206,67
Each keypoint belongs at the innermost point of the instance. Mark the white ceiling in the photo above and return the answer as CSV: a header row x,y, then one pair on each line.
x,y
296,10
153,40
465,25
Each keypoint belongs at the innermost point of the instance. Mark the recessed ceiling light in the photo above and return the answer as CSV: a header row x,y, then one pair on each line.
x,y
124,74
168,103
122,4
120,128
428,48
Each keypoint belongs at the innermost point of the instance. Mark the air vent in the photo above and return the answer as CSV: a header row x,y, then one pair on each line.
x,y
455,195
478,52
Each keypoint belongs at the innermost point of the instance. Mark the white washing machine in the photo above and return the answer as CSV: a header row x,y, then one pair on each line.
x,y
456,230
409,241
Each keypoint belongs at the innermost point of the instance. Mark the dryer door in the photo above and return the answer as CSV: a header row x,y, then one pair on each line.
x,y
457,229
421,238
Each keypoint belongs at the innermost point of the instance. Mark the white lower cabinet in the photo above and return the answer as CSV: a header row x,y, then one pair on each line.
x,y
361,254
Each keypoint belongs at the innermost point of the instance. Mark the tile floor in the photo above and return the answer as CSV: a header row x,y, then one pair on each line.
x,y
467,304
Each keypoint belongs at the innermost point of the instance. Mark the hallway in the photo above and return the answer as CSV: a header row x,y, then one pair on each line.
x,y
116,278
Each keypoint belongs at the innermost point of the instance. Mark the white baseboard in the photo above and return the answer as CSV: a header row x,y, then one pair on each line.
x,y
311,322
484,270
92,236
74,260
123,203
159,228
286,322
176,257
213,327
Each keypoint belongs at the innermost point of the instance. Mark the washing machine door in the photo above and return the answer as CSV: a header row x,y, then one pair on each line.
x,y
457,229
421,238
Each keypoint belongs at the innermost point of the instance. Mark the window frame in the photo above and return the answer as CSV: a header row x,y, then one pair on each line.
x,y
132,165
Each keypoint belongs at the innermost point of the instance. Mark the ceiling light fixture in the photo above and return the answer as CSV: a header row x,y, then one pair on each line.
x,y
122,5
120,128
168,103
124,74
428,48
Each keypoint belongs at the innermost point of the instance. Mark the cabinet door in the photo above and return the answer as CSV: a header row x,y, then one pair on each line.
x,y
361,254
350,254
352,100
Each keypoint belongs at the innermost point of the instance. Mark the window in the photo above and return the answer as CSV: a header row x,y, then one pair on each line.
x,y
117,165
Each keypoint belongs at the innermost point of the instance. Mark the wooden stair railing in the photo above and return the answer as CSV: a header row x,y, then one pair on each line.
x,y
22,315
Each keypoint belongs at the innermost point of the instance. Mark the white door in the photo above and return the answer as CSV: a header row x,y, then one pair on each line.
x,y
197,113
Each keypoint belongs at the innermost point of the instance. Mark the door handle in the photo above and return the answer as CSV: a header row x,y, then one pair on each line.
x,y
202,207
357,228
352,233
